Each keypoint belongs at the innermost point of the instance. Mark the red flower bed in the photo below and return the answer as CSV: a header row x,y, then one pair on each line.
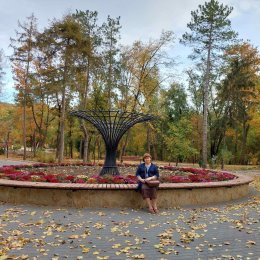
x,y
16,172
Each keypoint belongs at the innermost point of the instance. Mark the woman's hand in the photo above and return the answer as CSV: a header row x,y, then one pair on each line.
x,y
142,180
150,178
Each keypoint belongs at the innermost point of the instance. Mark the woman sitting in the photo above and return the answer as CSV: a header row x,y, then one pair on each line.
x,y
148,171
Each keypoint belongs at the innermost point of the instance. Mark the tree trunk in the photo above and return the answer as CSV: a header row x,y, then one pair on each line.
x,y
205,113
243,157
58,139
7,145
236,145
71,150
85,142
85,149
61,129
123,150
34,144
148,139
24,126
154,152
70,144
89,146
94,150
81,149
45,130
222,164
39,126
25,101
99,148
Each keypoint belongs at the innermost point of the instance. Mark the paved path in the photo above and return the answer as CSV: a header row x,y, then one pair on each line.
x,y
219,231
223,231
14,162
249,172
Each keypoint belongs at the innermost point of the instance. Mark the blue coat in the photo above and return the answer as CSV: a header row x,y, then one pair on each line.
x,y
153,171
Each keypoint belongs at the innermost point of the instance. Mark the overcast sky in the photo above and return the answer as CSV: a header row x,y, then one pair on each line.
x,y
140,19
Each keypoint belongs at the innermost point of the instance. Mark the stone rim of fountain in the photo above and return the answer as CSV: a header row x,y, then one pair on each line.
x,y
241,179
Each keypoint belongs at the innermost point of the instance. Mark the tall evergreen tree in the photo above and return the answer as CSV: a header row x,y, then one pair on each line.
x,y
88,63
63,42
238,91
111,36
210,33
22,62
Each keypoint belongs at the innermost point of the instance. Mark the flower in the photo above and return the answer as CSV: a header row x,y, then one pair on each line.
x,y
36,178
176,175
82,177
92,180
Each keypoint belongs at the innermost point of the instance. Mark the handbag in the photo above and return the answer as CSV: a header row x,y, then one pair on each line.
x,y
152,183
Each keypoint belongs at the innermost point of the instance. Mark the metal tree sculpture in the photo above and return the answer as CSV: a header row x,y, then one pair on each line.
x,y
112,125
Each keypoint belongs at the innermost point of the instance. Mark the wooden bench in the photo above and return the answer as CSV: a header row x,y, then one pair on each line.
x,y
83,195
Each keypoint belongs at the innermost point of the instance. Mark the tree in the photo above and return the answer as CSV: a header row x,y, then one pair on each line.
x,y
7,120
176,141
172,107
253,143
175,102
88,63
238,90
22,58
111,35
195,90
40,100
141,64
210,34
63,42
141,78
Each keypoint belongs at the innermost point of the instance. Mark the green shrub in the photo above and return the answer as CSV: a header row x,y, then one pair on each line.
x,y
44,157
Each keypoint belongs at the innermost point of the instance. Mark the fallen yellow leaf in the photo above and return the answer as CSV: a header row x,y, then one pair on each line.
x,y
85,250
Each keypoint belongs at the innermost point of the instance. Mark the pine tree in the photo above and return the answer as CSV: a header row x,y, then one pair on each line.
x,y
111,36
22,60
88,64
63,43
210,33
238,91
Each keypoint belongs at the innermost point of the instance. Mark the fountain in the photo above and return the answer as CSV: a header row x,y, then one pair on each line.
x,y
112,125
